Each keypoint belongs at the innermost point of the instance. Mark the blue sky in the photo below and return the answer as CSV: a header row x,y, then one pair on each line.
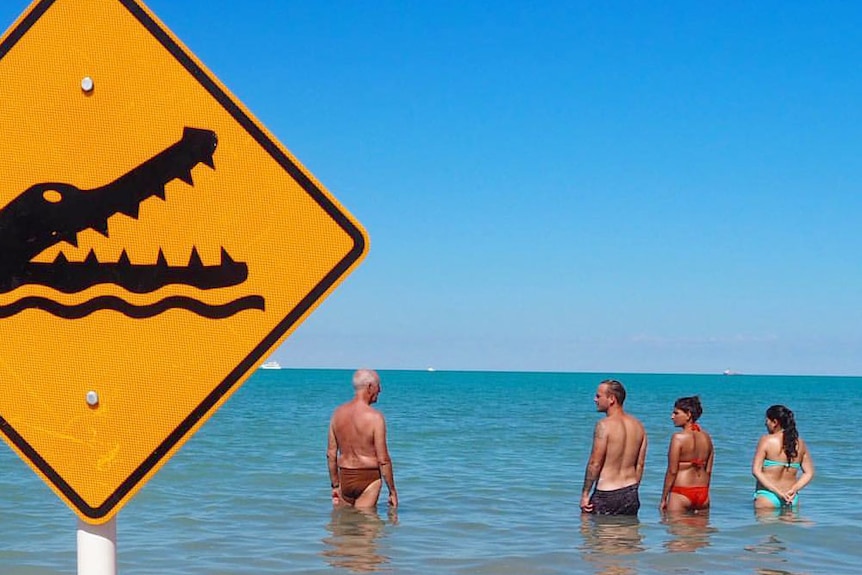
x,y
567,186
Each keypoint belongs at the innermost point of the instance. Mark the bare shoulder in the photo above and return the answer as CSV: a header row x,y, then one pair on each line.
x,y
340,411
371,416
636,423
375,414
766,441
601,427
380,422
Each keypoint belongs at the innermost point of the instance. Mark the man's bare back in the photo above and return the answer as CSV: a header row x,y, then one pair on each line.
x,y
617,458
357,454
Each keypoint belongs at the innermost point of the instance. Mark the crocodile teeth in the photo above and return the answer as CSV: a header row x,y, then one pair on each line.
x,y
225,258
195,259
187,178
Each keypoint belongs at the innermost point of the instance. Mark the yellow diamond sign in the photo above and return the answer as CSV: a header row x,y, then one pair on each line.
x,y
156,242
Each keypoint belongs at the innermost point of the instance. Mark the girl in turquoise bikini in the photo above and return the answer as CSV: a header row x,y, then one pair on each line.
x,y
780,457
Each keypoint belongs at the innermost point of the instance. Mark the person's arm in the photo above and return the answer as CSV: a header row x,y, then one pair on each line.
x,y
673,451
384,461
807,464
639,470
332,463
710,459
594,465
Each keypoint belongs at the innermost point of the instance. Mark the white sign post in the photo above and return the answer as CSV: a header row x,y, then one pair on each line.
x,y
97,548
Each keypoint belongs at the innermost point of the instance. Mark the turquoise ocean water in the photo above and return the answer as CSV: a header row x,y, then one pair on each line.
x,y
488,467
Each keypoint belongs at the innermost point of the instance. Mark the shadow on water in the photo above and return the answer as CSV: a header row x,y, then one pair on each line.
x,y
354,539
774,545
688,532
611,542
780,515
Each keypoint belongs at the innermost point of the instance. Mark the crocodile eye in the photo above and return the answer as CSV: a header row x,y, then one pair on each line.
x,y
52,196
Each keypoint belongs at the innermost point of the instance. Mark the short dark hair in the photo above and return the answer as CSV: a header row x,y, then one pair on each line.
x,y
616,389
690,405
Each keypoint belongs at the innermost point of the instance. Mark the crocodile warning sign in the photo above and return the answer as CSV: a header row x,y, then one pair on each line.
x,y
156,243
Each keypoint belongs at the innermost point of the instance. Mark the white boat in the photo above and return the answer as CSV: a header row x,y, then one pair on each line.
x,y
271,365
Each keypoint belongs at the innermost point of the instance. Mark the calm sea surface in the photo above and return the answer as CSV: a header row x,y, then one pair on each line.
x,y
488,468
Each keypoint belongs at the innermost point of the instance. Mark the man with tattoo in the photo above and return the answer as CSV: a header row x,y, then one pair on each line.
x,y
616,463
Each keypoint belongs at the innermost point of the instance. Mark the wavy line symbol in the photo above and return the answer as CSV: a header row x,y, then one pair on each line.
x,y
133,311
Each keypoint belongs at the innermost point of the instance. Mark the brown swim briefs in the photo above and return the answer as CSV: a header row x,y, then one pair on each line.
x,y
355,481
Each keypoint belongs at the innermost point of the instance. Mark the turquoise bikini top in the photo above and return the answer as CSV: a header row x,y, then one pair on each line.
x,y
773,463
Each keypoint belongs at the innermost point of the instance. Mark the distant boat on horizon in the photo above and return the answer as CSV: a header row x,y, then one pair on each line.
x,y
730,372
271,365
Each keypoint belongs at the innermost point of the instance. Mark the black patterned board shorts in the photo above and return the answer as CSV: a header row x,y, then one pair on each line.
x,y
623,501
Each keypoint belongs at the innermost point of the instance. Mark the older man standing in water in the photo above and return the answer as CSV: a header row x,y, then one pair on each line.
x,y
616,463
356,453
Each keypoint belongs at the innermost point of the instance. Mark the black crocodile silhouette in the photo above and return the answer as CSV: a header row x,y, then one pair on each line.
x,y
49,213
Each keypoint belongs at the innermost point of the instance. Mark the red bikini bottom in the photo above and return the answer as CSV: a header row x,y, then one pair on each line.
x,y
698,495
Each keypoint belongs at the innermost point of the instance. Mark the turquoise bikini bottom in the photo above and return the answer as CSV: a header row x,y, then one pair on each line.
x,y
773,498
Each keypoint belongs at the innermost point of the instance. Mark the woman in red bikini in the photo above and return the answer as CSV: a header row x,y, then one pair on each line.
x,y
689,461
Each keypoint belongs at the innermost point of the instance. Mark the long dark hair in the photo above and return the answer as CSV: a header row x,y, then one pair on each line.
x,y
690,405
785,419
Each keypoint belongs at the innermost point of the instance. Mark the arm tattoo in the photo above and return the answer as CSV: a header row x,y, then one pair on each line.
x,y
589,479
